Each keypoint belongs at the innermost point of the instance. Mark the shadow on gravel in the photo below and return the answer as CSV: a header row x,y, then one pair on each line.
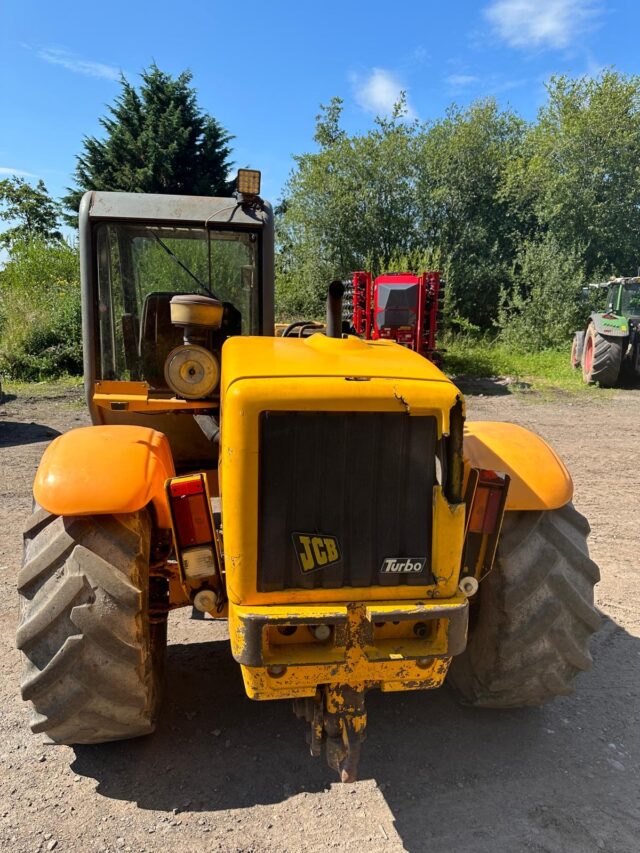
x,y
437,764
7,398
494,386
628,382
15,433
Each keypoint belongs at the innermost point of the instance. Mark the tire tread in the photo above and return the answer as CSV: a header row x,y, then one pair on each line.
x,y
607,359
90,668
536,614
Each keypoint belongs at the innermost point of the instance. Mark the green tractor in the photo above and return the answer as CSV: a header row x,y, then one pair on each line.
x,y
611,340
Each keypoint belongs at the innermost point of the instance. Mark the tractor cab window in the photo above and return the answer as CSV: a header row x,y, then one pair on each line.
x,y
630,300
141,267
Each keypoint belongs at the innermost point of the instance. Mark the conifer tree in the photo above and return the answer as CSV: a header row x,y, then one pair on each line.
x,y
157,140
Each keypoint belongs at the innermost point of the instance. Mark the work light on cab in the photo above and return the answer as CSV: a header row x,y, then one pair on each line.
x,y
248,182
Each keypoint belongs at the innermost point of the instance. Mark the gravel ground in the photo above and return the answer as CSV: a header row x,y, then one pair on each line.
x,y
224,773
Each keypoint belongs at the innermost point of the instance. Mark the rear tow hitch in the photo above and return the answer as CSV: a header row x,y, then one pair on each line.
x,y
338,719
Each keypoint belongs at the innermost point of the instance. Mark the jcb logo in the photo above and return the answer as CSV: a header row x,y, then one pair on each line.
x,y
316,551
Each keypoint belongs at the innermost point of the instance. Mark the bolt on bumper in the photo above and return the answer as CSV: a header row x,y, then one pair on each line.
x,y
404,645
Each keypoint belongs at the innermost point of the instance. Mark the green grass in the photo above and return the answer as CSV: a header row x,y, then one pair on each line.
x,y
47,388
547,370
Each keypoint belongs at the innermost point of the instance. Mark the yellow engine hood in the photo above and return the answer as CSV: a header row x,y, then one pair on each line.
x,y
261,357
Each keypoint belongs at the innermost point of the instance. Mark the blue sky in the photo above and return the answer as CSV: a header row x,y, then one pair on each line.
x,y
263,69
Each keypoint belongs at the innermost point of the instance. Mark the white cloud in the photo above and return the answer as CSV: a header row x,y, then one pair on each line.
x,y
379,92
493,84
20,173
461,81
542,23
58,56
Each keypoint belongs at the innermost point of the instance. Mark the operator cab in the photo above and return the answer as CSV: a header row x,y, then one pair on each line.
x,y
630,300
623,296
167,281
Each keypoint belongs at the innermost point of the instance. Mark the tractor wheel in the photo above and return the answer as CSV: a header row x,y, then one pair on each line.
x,y
535,614
601,358
92,660
577,347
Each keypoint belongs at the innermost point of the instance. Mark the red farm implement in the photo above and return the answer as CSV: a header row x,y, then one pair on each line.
x,y
403,307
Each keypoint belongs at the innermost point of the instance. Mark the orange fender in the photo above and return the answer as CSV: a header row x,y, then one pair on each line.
x,y
539,480
104,470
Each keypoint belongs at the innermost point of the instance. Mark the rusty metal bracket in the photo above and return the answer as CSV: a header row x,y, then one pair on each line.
x,y
345,722
311,709
337,718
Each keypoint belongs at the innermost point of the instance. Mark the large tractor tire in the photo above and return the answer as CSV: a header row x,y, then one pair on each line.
x,y
535,614
601,358
577,346
92,660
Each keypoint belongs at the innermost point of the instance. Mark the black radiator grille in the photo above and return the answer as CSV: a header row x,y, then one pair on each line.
x,y
364,478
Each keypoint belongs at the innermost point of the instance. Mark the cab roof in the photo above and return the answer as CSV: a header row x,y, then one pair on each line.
x,y
187,209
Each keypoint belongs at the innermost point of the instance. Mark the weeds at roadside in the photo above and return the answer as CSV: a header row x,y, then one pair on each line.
x,y
66,386
547,372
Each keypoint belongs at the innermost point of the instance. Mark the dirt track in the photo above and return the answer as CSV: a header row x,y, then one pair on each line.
x,y
224,773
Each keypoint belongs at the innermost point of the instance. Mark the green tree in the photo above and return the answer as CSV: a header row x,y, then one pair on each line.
x,y
32,209
403,190
350,204
40,328
463,160
578,176
157,140
545,305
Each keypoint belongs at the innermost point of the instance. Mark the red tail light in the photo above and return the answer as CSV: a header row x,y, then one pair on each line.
x,y
181,486
193,530
192,522
487,501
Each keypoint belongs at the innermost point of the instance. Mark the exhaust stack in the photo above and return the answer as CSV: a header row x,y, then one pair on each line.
x,y
334,309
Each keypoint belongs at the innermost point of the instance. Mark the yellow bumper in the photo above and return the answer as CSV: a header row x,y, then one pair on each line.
x,y
393,645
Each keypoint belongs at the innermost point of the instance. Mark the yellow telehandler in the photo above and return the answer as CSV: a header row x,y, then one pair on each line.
x,y
323,494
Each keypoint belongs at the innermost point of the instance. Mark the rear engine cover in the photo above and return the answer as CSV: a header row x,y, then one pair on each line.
x,y
345,499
